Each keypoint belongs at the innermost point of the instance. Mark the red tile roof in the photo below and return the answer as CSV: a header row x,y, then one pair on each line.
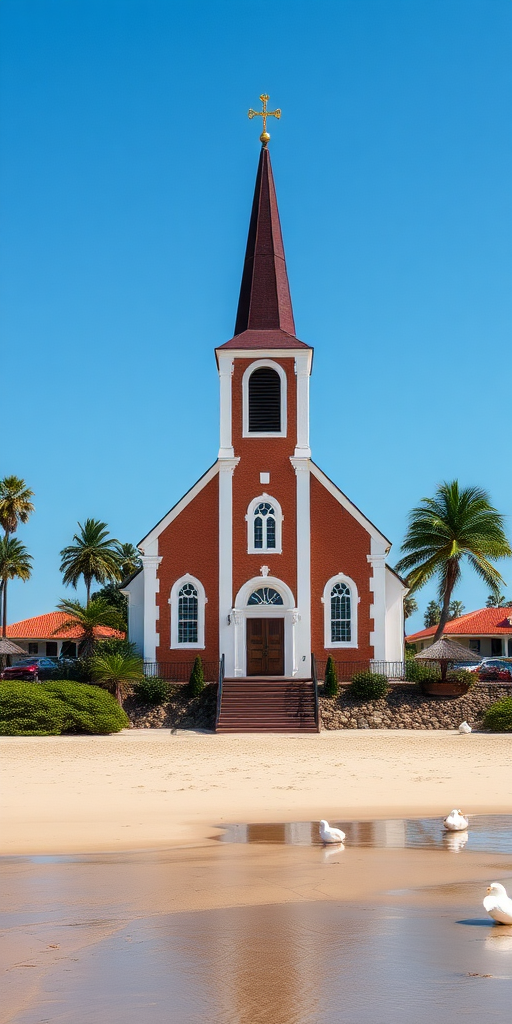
x,y
483,622
41,627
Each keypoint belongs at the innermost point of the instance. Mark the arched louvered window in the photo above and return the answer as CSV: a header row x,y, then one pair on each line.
x,y
264,401
187,602
340,612
264,527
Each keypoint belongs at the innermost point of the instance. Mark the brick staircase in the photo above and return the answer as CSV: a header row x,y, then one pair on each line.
x,y
267,704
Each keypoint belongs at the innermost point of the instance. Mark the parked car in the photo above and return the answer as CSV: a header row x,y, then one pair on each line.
x,y
30,668
495,670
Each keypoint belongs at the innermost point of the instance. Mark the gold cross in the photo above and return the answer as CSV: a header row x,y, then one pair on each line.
x,y
264,137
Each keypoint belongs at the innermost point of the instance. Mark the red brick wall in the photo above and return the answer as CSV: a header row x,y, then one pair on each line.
x,y
338,544
259,455
190,544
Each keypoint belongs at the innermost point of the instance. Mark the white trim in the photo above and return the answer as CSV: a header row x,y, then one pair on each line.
x,y
227,468
242,611
245,398
278,516
302,371
269,353
150,565
354,602
201,601
347,504
226,365
174,512
377,560
302,468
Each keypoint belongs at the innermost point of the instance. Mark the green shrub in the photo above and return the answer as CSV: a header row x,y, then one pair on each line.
x,y
152,690
368,685
27,710
87,708
54,707
418,672
196,682
461,675
498,717
331,679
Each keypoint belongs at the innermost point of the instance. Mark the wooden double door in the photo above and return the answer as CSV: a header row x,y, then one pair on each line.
x,y
265,647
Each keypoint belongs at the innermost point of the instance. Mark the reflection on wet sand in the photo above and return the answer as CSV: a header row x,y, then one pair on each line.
x,y
486,832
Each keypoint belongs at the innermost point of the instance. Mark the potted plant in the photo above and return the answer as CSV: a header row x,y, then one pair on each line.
x,y
444,654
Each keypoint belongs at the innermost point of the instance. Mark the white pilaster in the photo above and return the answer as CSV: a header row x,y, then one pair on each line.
x,y
151,588
302,371
226,632
377,560
302,653
226,364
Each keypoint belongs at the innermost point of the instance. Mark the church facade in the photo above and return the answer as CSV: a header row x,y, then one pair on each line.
x,y
265,560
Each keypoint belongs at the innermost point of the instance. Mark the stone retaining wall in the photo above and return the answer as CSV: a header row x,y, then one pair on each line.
x,y
405,707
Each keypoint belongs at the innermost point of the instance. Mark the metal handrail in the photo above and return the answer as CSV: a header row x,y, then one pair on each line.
x,y
315,690
219,690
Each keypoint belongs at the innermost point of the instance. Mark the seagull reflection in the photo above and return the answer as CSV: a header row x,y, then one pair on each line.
x,y
455,841
329,851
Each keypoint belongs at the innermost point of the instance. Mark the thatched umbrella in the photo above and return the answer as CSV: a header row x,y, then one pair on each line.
x,y
447,652
7,647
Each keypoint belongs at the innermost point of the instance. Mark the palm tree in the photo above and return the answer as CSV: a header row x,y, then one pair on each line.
x,y
94,556
455,610
14,564
453,525
129,558
87,618
410,606
15,504
497,601
117,673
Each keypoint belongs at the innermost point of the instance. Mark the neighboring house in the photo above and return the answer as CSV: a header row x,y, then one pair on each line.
x,y
487,631
38,636
265,559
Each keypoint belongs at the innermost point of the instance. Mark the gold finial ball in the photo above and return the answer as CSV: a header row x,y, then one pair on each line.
x,y
264,138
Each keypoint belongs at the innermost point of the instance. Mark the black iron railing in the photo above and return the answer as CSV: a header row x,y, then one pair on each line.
x,y
315,690
219,689
346,669
179,672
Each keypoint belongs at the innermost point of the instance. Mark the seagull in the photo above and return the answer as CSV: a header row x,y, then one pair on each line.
x,y
456,822
330,835
497,904
464,728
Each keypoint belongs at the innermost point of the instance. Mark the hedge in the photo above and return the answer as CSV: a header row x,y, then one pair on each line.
x,y
51,708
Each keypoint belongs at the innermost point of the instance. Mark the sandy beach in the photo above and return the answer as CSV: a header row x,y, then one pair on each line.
x,y
150,789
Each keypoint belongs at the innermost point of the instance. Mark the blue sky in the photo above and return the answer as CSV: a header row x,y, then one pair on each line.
x,y
127,174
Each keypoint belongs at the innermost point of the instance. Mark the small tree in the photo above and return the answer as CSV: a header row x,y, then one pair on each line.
x,y
456,610
196,681
331,679
117,673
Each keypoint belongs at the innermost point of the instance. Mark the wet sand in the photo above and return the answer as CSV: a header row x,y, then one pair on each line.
x,y
254,934
149,789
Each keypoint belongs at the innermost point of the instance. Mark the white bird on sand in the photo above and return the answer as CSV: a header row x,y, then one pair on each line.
x,y
456,822
330,835
464,728
497,904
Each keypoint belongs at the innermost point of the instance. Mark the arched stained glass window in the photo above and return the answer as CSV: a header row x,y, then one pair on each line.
x,y
187,614
340,614
265,595
264,527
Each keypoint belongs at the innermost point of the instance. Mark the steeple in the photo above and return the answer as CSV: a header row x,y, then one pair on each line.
x,y
265,315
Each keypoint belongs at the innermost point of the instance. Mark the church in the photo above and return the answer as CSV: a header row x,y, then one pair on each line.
x,y
265,560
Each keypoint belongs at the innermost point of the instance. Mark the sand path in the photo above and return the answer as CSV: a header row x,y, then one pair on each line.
x,y
150,789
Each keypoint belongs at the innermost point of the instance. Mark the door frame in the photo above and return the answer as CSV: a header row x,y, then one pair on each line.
x,y
242,611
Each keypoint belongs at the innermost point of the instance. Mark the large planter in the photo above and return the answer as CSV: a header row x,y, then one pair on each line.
x,y
450,688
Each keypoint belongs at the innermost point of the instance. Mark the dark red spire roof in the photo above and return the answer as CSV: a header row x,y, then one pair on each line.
x,y
265,316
